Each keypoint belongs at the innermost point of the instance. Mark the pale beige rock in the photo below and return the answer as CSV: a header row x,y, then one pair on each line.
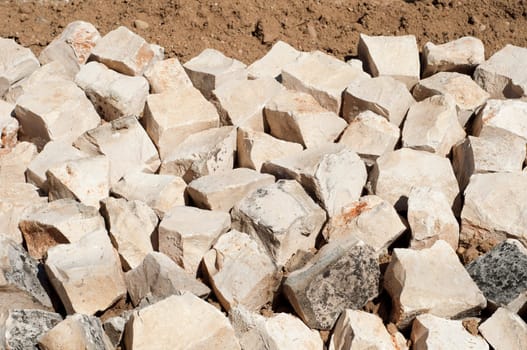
x,y
55,110
159,276
322,76
469,97
8,126
332,173
222,191
86,274
282,216
125,143
431,218
241,272
187,233
255,148
206,152
114,95
504,115
461,55
86,180
13,164
505,330
241,102
170,117
60,221
430,280
159,192
383,95
167,75
72,47
432,125
297,117
123,51
211,68
271,64
131,225
395,56
199,325
504,73
16,62
396,173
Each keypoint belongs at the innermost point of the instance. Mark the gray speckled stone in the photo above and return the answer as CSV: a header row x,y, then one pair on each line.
x,y
501,274
23,327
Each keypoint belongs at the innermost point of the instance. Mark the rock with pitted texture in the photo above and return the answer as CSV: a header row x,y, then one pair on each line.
x,y
23,327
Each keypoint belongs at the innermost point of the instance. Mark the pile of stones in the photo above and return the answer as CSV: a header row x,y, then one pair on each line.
x,y
300,202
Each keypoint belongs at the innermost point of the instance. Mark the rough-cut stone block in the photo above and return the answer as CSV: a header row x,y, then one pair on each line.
x,y
241,102
131,225
503,115
8,127
382,95
72,47
342,275
159,192
396,173
333,174
505,330
159,276
172,116
125,143
114,329
283,217
270,65
467,95
395,56
86,180
297,117
461,55
322,76
198,325
495,207
13,164
430,280
222,191
241,272
504,74
123,51
60,221
55,110
187,233
114,95
211,68
206,152
167,75
23,327
16,62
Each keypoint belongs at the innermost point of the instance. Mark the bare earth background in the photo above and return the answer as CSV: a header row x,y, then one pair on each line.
x,y
245,29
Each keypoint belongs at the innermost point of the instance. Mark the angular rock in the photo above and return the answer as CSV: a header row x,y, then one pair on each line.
x,y
504,73
382,95
505,330
86,180
123,51
125,143
461,55
282,216
23,327
297,117
198,325
432,125
342,275
13,164
431,280
86,274
16,62
502,115
131,225
396,173
114,95
167,75
395,56
114,329
172,116
159,276
60,221
211,68
432,332
72,47
222,191
55,110
8,127
159,192
322,76
187,233
255,148
206,152
271,64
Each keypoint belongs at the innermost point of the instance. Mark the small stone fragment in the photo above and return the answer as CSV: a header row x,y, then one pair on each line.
x,y
8,127
505,330
16,62
271,64
114,329
502,115
23,327
167,75
13,164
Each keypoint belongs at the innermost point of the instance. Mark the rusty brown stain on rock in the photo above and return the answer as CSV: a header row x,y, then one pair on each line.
x,y
351,213
144,56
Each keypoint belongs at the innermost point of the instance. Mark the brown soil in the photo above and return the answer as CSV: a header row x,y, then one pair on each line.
x,y
245,29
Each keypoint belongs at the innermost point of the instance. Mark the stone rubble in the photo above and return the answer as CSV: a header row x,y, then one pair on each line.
x,y
504,330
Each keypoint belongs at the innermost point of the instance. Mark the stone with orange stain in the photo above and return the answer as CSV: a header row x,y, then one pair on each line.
x,y
167,75
502,116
